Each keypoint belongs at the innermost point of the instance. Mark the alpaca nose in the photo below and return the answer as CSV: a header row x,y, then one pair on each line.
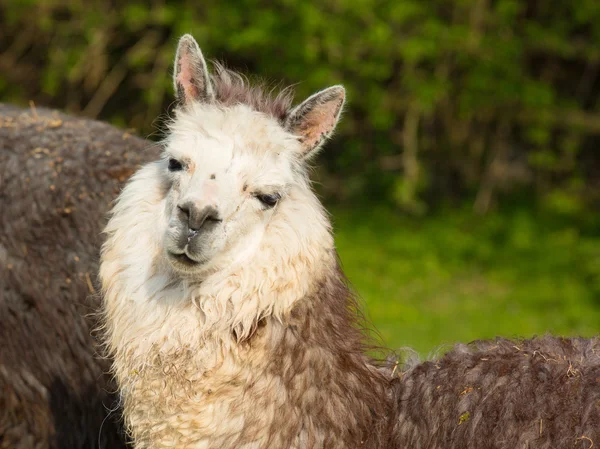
x,y
196,217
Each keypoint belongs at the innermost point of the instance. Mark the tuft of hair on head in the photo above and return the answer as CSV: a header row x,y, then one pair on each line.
x,y
312,121
232,88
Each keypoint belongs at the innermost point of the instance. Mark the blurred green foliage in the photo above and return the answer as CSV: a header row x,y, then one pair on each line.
x,y
447,98
458,277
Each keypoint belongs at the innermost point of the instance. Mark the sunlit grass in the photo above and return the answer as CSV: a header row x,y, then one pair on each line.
x,y
454,278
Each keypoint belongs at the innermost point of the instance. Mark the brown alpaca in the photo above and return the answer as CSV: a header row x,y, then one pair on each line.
x,y
58,176
231,325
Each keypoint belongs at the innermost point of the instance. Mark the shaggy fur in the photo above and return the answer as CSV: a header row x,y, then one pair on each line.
x,y
57,177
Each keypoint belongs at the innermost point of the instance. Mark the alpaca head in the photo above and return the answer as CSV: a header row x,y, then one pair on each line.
x,y
226,219
230,166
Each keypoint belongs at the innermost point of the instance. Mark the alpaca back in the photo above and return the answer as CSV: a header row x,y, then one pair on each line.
x,y
58,176
503,394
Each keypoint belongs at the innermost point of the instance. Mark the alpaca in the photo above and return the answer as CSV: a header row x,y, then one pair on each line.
x,y
230,322
58,176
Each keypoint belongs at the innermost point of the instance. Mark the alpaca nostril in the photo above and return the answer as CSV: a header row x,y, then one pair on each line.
x,y
197,218
184,208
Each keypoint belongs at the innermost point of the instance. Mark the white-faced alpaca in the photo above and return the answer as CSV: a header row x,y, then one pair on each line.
x,y
228,316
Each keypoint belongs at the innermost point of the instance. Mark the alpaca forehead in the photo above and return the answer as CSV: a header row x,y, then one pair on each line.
x,y
238,127
203,152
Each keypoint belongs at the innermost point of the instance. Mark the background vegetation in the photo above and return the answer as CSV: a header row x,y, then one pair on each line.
x,y
465,178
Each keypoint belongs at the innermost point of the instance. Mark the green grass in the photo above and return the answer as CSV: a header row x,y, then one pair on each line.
x,y
455,278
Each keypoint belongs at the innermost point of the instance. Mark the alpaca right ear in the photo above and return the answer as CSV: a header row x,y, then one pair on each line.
x,y
191,78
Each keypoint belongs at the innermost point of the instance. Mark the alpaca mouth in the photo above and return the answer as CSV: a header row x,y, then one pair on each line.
x,y
183,258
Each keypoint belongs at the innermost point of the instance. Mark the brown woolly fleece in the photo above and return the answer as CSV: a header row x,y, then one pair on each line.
x,y
58,175
502,394
331,386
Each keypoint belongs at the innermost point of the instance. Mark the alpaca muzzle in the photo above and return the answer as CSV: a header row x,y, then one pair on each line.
x,y
192,233
197,219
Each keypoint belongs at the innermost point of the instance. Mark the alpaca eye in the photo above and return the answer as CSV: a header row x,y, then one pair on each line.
x,y
175,165
269,200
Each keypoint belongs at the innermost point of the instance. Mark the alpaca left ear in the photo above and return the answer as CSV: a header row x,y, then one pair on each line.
x,y
314,120
191,78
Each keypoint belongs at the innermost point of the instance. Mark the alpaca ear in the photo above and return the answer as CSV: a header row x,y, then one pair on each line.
x,y
314,120
191,78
